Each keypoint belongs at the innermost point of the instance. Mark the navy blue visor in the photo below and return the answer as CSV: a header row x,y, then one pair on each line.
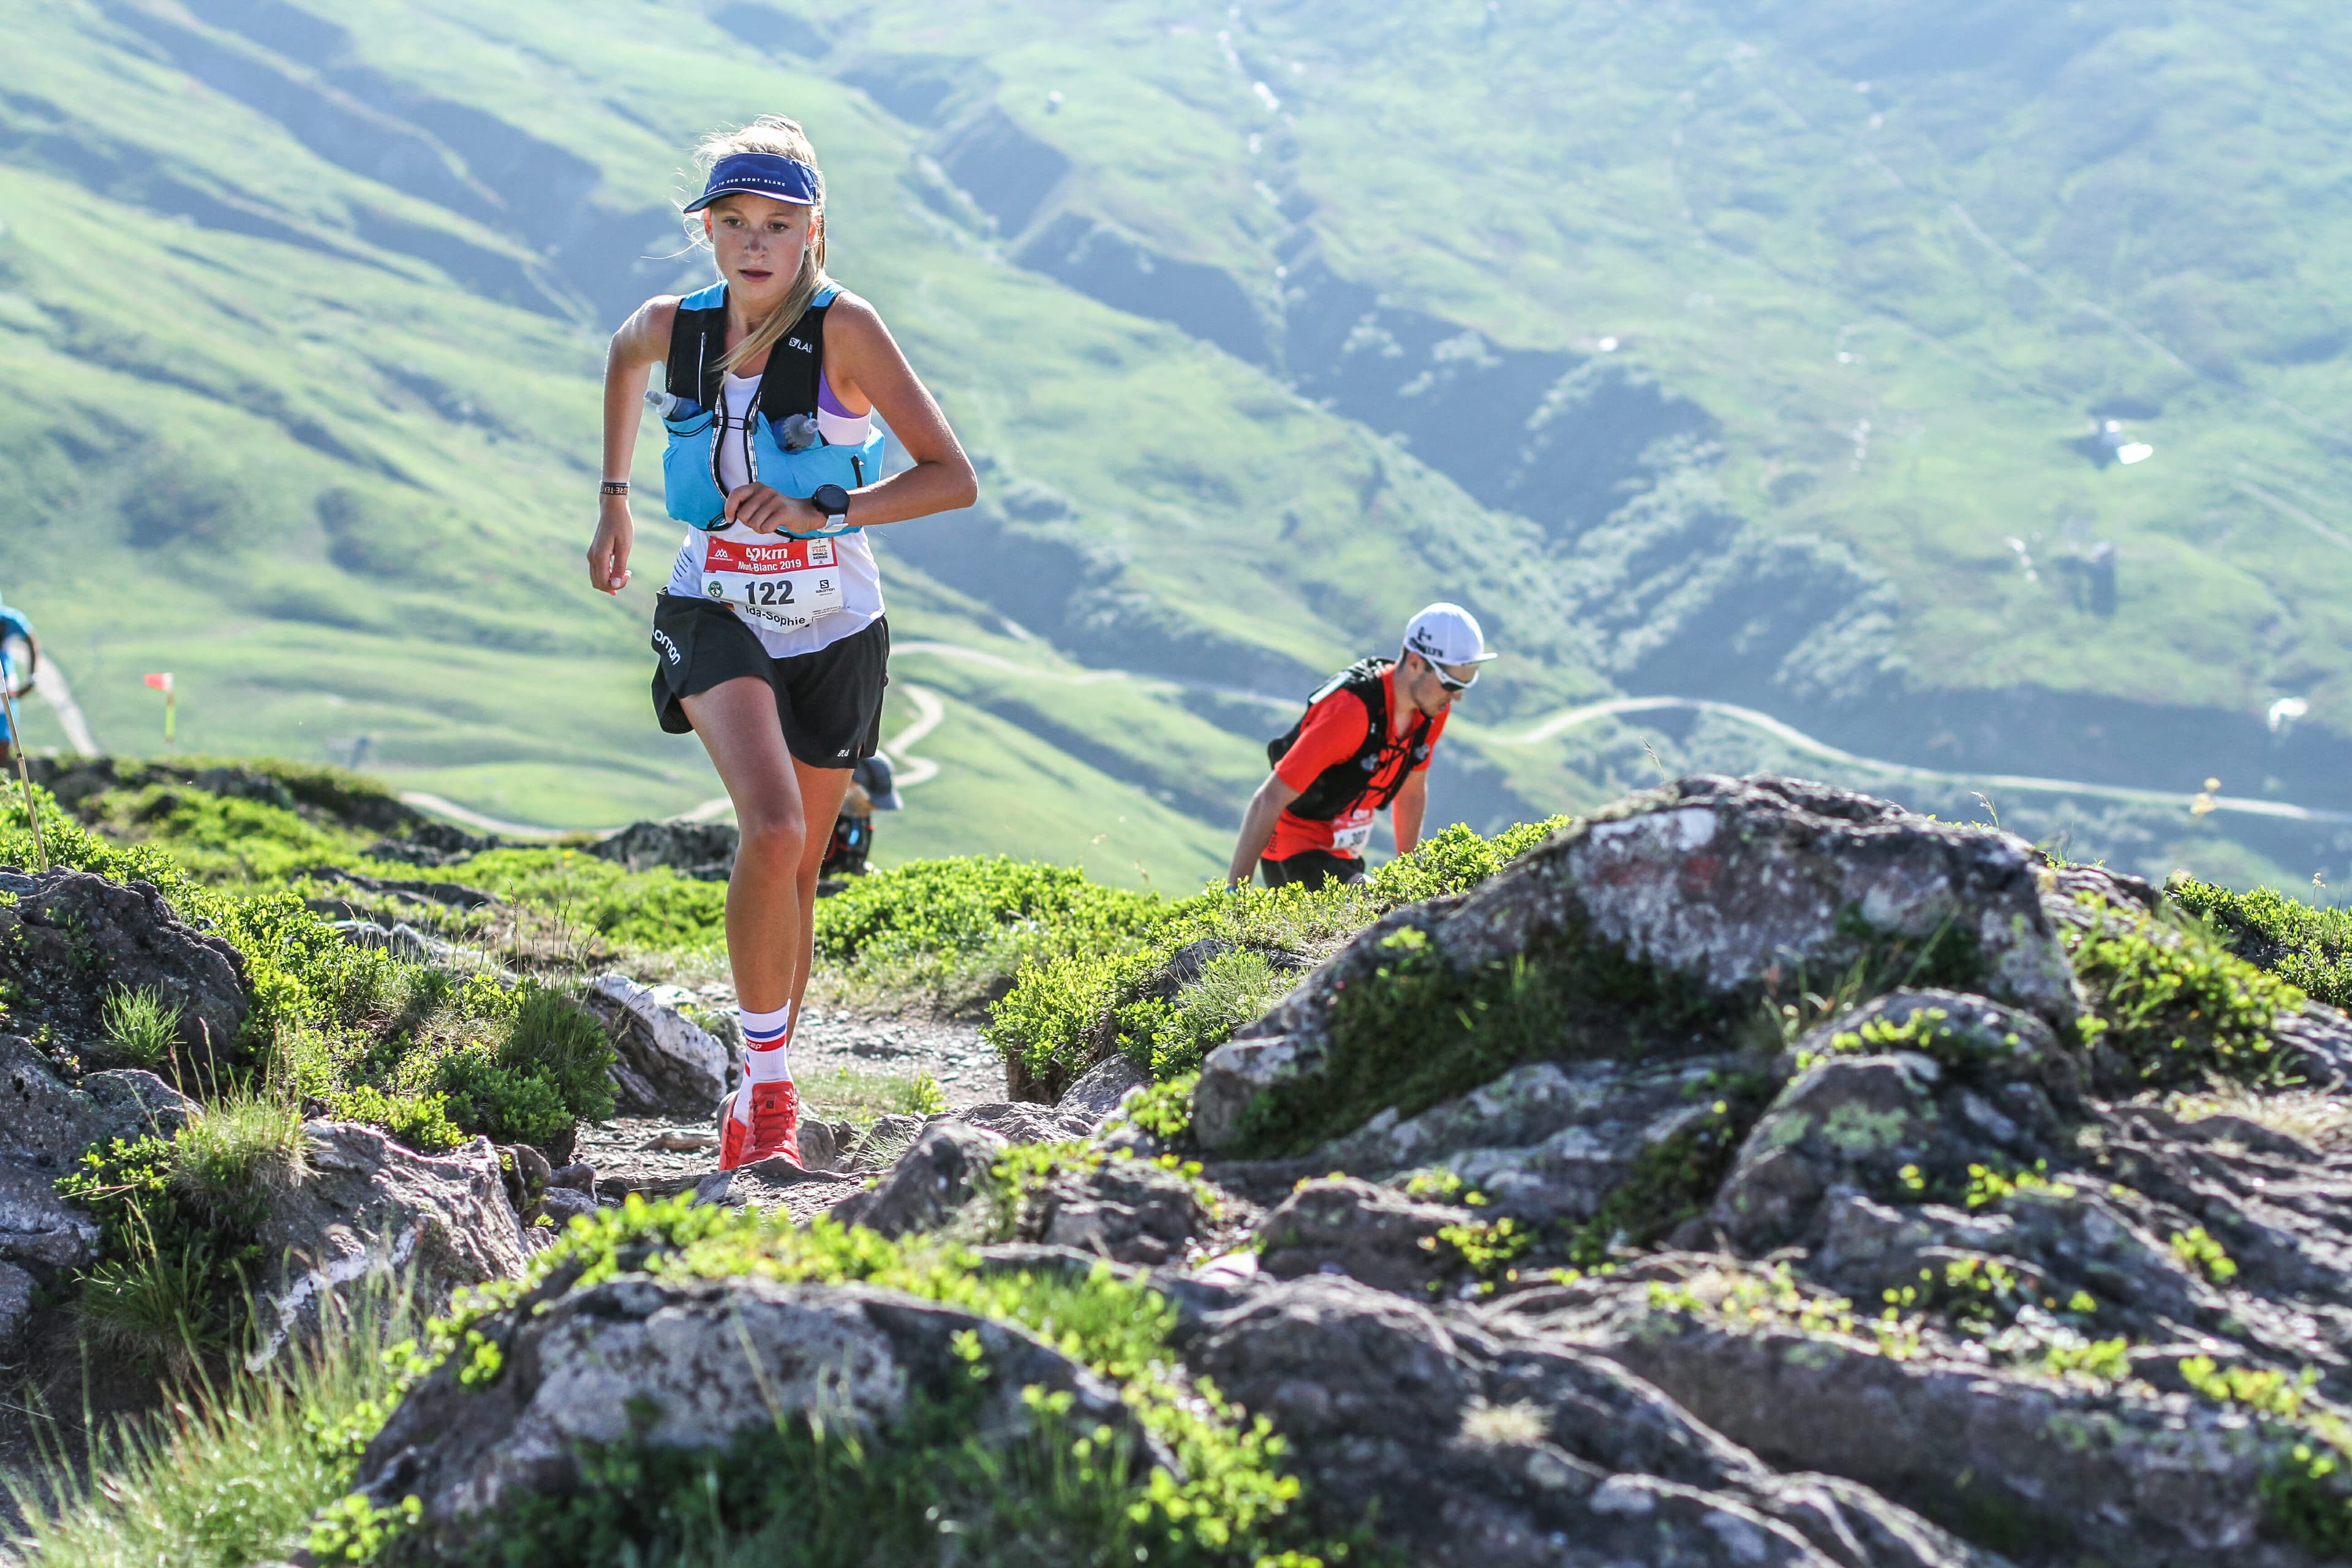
x,y
768,174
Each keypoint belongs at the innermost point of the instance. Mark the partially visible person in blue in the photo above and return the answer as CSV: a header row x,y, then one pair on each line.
x,y
20,658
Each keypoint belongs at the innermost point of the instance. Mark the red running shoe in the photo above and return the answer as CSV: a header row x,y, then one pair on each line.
x,y
763,1121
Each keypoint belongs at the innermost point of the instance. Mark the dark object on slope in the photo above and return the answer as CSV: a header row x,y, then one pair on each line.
x,y
872,787
432,844
69,941
703,850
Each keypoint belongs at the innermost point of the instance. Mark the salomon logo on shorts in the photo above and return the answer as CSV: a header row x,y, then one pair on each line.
x,y
668,648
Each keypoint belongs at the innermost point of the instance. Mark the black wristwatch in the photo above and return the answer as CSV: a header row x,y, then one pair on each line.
x,y
833,502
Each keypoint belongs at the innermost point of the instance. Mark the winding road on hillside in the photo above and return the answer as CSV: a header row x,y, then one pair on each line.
x,y
930,709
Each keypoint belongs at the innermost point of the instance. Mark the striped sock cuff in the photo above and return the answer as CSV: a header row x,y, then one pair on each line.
x,y
766,1031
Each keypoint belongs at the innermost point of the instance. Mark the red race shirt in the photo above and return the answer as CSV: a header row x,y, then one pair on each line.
x,y
1334,730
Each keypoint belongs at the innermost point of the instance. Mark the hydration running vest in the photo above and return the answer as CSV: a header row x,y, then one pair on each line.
x,y
786,415
1338,786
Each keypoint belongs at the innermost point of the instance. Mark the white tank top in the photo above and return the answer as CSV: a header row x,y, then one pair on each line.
x,y
861,579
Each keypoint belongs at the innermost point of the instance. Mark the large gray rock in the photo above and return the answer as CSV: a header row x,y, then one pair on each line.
x,y
705,850
693,1365
1902,1126
663,1063
1544,1141
18,1293
932,1187
2066,1472
369,1210
68,940
1485,1444
1100,1090
45,1129
1131,1211
1342,1226
1021,1121
1714,895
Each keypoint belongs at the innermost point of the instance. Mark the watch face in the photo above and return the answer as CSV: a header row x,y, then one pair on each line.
x,y
831,499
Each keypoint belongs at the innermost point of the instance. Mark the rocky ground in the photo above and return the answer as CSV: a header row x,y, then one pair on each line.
x,y
1753,1174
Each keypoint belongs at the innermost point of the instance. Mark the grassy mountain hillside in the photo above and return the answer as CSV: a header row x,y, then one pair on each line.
x,y
1745,352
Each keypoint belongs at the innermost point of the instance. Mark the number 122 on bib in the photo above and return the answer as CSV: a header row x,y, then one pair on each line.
x,y
786,582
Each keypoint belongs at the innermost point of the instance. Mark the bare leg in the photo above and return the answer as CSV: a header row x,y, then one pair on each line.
x,y
767,922
821,792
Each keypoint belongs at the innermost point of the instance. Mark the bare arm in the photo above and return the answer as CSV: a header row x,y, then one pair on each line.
x,y
1406,812
642,342
863,362
1257,827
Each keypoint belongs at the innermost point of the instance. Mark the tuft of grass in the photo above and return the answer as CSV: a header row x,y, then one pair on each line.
x,y
161,1309
227,1475
242,1147
143,1025
2321,1118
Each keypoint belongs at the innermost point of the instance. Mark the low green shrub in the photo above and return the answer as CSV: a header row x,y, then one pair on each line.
x,y
1165,1110
546,1072
1078,997
656,909
223,839
420,1121
1455,861
2169,1004
959,905
2309,948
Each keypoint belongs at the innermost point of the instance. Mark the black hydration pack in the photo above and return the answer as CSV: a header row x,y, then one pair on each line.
x,y
1345,782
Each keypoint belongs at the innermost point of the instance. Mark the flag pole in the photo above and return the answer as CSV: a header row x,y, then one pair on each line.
x,y
24,774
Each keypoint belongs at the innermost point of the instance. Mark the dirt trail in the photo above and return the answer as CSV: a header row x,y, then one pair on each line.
x,y
652,1153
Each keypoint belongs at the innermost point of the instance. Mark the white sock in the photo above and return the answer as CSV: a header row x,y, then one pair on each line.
x,y
766,1058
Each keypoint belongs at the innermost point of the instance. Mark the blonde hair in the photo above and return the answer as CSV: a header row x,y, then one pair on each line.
x,y
773,134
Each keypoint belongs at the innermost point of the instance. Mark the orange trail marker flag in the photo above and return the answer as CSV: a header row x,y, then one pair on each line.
x,y
162,683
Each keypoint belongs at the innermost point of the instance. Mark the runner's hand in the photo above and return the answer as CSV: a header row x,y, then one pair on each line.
x,y
608,552
764,511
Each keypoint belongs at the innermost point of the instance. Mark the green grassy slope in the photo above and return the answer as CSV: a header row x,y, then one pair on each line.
x,y
1812,216
312,298
344,491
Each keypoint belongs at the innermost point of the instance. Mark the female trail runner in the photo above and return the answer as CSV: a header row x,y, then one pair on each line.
x,y
769,636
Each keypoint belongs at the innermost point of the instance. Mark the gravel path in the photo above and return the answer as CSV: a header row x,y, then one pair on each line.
x,y
653,1155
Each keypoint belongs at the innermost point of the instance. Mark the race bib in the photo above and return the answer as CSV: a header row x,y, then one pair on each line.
x,y
1349,837
772,581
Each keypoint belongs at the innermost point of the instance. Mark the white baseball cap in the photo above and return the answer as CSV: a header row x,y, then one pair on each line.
x,y
1447,633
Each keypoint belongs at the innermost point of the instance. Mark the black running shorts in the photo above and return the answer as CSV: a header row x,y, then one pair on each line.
x,y
829,702
1310,869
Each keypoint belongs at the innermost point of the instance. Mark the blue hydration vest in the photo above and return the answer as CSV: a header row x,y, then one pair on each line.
x,y
788,390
